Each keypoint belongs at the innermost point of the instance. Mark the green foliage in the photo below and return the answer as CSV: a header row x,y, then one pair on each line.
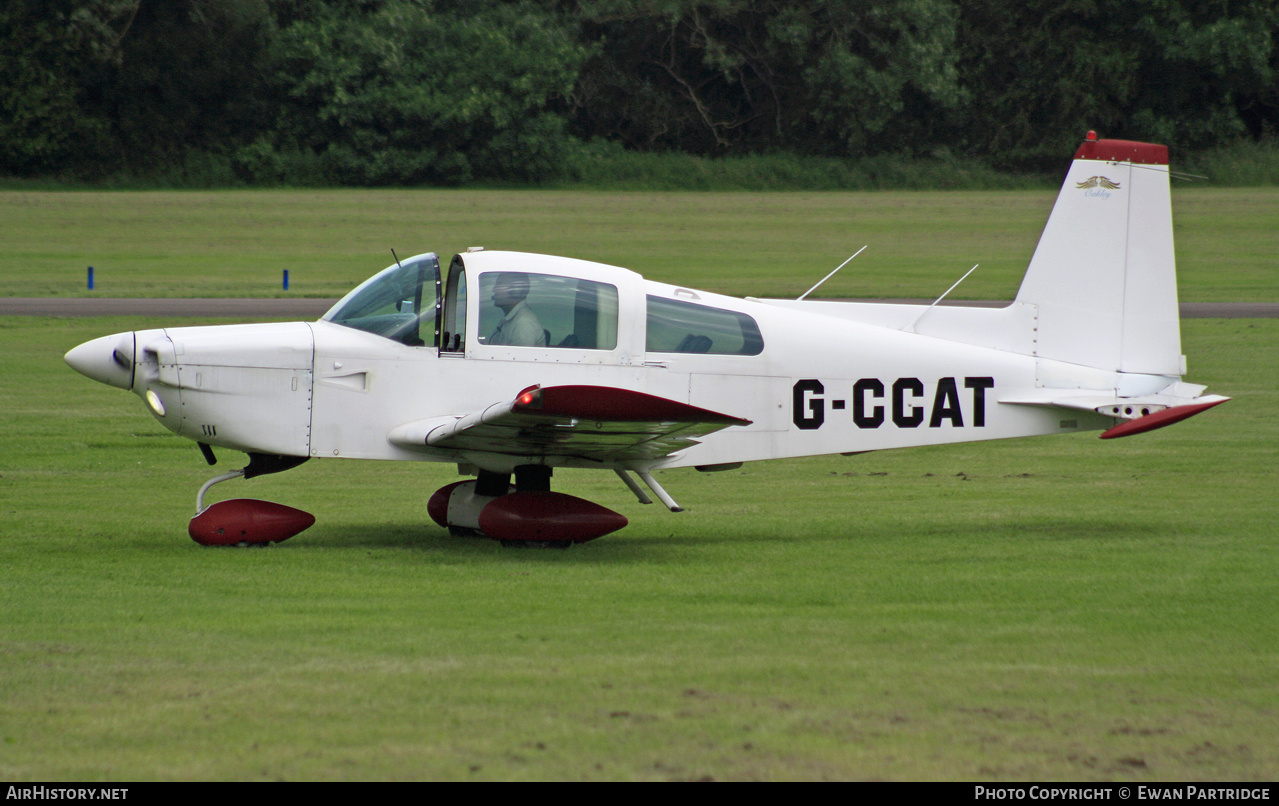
x,y
1191,74
189,80
49,49
260,163
1243,163
734,76
883,77
606,165
405,92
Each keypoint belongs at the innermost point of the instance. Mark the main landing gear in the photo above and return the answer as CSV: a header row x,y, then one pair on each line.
x,y
526,513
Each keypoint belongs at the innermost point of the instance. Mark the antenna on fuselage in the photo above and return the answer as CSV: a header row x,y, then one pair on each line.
x,y
397,257
832,274
1171,174
912,329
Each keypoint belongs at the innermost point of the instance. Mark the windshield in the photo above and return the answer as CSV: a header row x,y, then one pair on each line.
x,y
400,303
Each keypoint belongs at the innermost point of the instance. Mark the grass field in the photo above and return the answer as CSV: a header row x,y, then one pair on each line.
x,y
1061,608
237,243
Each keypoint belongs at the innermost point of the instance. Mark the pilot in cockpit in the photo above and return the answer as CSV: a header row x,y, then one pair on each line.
x,y
519,325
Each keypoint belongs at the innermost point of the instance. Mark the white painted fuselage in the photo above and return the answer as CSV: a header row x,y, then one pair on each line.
x,y
410,365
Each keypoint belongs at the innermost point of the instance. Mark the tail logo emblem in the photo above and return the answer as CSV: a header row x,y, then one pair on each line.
x,y
1097,181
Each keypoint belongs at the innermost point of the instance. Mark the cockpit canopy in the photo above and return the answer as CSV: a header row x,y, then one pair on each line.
x,y
537,301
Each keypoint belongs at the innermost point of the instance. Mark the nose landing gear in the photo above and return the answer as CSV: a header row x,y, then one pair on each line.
x,y
247,521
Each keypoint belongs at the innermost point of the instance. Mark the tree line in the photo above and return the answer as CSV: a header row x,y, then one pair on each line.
x,y
450,91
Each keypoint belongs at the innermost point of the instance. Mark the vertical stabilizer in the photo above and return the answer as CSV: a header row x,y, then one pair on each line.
x,y
1103,279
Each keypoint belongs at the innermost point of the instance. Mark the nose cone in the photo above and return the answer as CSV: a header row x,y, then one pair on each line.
x,y
107,360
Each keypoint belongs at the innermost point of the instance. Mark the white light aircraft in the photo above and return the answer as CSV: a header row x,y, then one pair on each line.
x,y
511,365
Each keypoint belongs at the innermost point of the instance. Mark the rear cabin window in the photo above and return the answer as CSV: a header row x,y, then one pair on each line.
x,y
686,327
519,309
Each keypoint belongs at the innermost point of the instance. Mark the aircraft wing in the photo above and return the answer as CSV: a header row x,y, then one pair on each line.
x,y
597,423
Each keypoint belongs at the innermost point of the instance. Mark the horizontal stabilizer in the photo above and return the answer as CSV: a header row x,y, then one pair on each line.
x,y
1140,414
1159,419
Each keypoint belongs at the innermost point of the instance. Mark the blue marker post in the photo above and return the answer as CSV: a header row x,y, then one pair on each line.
x,y
286,279
90,278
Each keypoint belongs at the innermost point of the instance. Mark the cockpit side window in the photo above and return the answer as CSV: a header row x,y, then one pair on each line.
x,y
685,327
401,302
521,309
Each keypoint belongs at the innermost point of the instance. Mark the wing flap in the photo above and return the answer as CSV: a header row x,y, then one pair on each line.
x,y
596,423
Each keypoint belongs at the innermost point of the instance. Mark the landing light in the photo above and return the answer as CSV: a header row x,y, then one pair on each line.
x,y
155,403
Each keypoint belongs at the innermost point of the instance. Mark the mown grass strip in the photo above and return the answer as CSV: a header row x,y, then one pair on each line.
x,y
238,243
1058,609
